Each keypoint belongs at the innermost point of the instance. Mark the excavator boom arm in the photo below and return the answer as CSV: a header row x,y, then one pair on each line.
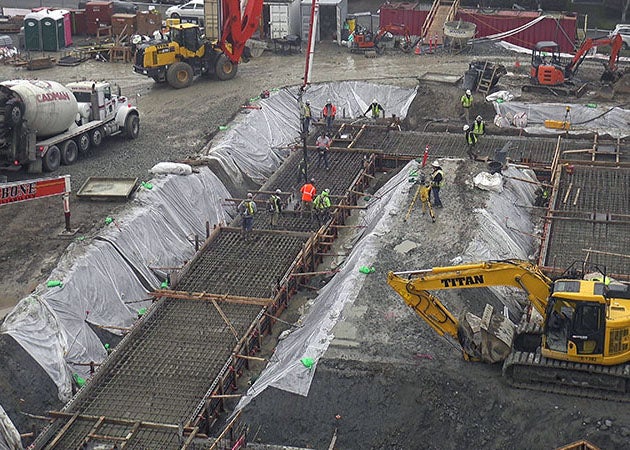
x,y
615,43
521,274
237,28
425,305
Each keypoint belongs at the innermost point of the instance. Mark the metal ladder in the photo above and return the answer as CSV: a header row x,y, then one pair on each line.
x,y
485,83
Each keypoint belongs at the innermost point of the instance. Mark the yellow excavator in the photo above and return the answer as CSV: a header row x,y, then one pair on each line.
x,y
583,333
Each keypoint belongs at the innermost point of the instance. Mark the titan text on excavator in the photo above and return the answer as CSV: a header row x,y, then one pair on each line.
x,y
581,346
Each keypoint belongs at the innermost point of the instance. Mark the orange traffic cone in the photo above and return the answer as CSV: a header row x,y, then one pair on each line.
x,y
417,50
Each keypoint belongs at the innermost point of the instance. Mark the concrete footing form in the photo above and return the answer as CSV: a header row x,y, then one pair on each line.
x,y
164,385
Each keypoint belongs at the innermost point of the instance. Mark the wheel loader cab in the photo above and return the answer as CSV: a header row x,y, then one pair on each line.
x,y
188,37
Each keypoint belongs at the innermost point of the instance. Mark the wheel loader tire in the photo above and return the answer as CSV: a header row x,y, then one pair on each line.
x,y
13,113
83,143
52,159
225,69
132,126
69,152
179,75
96,137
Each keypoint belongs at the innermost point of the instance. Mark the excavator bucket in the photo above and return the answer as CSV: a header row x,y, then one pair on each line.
x,y
489,338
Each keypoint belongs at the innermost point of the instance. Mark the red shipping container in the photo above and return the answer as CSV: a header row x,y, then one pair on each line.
x,y
561,29
98,13
412,15
79,21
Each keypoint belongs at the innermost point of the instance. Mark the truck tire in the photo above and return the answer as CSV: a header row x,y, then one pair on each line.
x,y
225,69
52,159
179,75
132,126
13,112
96,137
83,143
69,152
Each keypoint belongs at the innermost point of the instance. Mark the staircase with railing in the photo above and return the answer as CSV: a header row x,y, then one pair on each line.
x,y
441,11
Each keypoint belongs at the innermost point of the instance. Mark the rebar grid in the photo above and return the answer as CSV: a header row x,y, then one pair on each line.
x,y
237,266
344,168
591,212
171,364
287,220
143,438
593,189
413,144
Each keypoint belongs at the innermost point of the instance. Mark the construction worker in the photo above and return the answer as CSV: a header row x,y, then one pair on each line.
x,y
467,101
308,194
305,116
425,192
274,206
471,141
329,111
247,209
479,126
301,174
437,181
376,110
323,146
322,207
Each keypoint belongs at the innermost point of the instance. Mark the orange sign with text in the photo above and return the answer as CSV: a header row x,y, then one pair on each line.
x,y
28,190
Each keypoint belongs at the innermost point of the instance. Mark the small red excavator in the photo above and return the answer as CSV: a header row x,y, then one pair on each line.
x,y
548,72
366,40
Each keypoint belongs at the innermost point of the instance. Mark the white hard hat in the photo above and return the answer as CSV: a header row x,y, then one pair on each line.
x,y
278,191
328,101
327,191
466,128
308,102
435,164
479,118
468,92
374,101
249,195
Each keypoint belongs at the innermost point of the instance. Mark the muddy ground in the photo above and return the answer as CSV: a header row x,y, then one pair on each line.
x,y
388,392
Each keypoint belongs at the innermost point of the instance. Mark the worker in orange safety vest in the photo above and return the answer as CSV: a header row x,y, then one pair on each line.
x,y
328,113
308,194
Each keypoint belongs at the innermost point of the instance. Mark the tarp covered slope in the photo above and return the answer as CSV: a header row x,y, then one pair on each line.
x,y
105,280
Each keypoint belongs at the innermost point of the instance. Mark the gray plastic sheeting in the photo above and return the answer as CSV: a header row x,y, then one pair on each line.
x,y
106,279
496,239
604,120
255,146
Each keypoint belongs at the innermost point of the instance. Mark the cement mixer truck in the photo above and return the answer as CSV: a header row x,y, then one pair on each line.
x,y
44,124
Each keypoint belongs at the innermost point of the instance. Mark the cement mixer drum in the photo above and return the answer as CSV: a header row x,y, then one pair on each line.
x,y
47,107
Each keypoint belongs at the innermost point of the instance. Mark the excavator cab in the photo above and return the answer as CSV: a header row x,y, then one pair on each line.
x,y
547,67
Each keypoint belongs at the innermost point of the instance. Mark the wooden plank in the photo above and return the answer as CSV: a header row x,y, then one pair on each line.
x,y
203,296
63,430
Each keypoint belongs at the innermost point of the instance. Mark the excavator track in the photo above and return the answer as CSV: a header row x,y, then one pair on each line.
x,y
527,370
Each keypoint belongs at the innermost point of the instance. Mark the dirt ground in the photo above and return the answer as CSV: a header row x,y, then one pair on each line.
x,y
402,388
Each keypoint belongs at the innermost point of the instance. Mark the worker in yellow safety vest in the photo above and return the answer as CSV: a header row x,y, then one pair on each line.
x,y
467,101
479,126
471,141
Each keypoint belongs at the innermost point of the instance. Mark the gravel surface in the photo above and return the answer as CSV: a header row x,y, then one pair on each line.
x,y
399,401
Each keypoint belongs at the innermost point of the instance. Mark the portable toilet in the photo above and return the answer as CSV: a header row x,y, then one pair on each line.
x,y
53,35
67,27
33,30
